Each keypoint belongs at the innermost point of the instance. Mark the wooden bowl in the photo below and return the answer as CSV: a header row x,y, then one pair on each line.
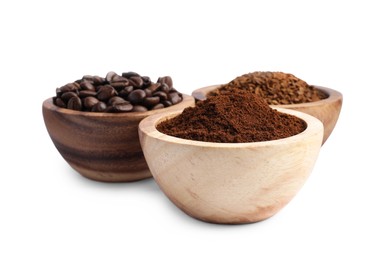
x,y
230,183
326,110
101,146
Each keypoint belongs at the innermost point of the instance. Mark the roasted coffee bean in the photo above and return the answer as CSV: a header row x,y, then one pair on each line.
x,y
126,91
99,107
167,103
175,98
75,103
138,108
60,103
89,102
148,92
167,80
67,96
119,85
146,81
136,81
164,88
151,101
158,106
67,88
162,95
106,92
116,100
115,93
98,80
87,93
136,96
130,74
154,87
110,75
87,85
123,107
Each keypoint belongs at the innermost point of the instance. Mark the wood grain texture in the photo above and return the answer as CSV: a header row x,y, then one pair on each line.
x,y
230,183
326,110
101,146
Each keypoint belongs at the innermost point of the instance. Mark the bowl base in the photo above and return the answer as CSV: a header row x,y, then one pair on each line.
x,y
113,177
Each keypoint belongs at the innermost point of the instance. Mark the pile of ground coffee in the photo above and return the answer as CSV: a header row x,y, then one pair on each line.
x,y
275,87
236,116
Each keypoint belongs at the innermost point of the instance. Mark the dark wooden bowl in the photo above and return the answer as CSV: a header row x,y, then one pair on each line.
x,y
326,110
101,146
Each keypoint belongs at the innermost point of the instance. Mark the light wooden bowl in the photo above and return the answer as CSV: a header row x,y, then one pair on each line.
x,y
101,146
230,182
326,110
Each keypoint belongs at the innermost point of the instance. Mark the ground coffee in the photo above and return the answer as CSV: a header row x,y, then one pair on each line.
x,y
275,87
236,116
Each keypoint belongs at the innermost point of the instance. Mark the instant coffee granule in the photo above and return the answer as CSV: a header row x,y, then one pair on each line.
x,y
277,88
236,116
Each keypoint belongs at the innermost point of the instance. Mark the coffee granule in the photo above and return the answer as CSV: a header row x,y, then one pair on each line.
x,y
235,116
275,87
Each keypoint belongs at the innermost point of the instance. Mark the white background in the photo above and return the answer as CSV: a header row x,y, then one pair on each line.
x,y
48,211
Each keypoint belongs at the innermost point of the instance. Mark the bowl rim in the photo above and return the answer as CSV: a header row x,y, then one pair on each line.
x,y
333,95
147,127
48,104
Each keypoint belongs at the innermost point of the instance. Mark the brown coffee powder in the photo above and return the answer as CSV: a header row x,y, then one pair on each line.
x,y
232,117
275,87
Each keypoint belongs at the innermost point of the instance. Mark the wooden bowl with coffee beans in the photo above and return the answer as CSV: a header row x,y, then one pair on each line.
x,y
286,91
93,122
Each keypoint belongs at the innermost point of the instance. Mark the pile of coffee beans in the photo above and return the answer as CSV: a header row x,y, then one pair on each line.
x,y
129,92
277,88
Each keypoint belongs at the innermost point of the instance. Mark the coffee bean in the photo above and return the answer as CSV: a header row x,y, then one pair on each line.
x,y
167,80
158,106
87,93
175,98
87,85
138,108
151,101
130,74
136,81
75,103
136,96
123,107
110,75
119,85
97,81
160,94
89,102
146,81
115,93
148,92
155,87
116,100
60,103
126,91
164,88
67,96
106,92
99,107
167,103
67,88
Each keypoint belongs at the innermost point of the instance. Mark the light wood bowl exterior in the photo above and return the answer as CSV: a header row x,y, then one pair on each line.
x,y
326,110
230,183
101,146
